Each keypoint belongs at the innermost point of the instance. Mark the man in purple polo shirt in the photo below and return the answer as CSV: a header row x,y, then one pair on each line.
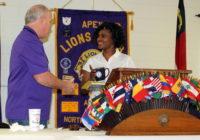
x,y
30,82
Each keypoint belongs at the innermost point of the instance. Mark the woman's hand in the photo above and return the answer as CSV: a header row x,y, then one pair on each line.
x,y
92,74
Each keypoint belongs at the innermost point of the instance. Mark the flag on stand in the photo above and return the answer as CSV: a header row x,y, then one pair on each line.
x,y
192,90
152,84
109,95
128,92
119,94
87,120
177,88
180,53
139,92
100,104
166,88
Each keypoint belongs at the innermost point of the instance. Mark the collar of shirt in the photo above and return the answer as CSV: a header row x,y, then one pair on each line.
x,y
31,31
116,54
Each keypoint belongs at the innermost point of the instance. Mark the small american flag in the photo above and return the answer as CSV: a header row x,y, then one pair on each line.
x,y
153,84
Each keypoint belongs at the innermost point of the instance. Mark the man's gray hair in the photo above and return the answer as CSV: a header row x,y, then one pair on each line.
x,y
35,12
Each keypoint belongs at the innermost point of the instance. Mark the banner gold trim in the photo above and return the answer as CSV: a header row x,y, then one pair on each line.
x,y
55,13
130,27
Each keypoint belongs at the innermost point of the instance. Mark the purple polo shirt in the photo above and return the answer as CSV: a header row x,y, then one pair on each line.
x,y
27,59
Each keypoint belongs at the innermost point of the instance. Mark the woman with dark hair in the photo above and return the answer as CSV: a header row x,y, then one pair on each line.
x,y
109,37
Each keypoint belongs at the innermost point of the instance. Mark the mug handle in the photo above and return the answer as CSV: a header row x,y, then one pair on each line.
x,y
108,72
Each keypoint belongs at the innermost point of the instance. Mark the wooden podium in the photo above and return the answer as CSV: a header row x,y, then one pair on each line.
x,y
118,73
160,121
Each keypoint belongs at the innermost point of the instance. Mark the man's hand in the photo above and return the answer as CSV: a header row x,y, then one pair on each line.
x,y
68,87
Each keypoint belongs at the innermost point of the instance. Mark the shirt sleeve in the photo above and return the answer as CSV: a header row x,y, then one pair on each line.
x,y
86,67
35,59
130,63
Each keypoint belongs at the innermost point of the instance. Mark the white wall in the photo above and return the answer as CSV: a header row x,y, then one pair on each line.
x,y
152,41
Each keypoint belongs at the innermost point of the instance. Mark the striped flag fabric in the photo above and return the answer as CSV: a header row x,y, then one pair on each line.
x,y
166,88
192,92
88,121
109,95
119,94
153,84
98,103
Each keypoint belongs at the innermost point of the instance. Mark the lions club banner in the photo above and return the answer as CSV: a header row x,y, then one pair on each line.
x,y
73,48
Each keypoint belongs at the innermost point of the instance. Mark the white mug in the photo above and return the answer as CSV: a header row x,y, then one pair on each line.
x,y
34,118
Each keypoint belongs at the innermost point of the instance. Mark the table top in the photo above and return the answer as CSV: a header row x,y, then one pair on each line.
x,y
82,134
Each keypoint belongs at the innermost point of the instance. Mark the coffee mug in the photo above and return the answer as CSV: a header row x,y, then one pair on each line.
x,y
101,73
